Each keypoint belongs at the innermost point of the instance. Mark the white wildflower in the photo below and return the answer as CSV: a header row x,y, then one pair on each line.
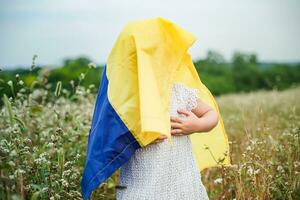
x,y
256,171
21,82
82,75
10,83
92,65
19,171
250,170
11,163
65,183
50,144
13,153
218,181
279,168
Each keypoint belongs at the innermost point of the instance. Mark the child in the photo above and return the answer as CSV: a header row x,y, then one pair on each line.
x,y
149,89
164,171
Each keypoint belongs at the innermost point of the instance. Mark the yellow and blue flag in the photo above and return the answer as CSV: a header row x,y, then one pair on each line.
x,y
133,100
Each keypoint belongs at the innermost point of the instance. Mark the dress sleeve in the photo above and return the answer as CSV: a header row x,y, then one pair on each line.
x,y
191,98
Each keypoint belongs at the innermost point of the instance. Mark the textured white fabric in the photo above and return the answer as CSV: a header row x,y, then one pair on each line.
x,y
165,170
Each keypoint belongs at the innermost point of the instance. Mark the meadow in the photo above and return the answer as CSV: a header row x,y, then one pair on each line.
x,y
44,136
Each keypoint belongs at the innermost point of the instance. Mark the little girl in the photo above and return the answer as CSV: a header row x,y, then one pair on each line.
x,y
149,78
163,170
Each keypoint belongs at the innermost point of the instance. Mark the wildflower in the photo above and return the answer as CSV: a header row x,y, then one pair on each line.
x,y
79,92
52,137
256,171
91,86
279,168
82,75
77,156
50,144
67,173
45,189
67,164
27,141
74,176
250,170
92,65
253,141
17,141
19,171
59,131
22,90
11,163
13,153
65,183
42,160
10,83
218,181
21,82
234,166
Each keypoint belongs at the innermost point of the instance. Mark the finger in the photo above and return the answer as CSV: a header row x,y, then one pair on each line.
x,y
158,140
183,111
175,125
161,137
176,119
176,132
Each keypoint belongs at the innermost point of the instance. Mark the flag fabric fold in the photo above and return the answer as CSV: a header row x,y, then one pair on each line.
x,y
133,100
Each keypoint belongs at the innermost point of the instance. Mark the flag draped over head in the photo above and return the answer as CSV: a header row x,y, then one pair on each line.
x,y
133,101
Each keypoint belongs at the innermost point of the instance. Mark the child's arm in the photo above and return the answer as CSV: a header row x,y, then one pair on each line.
x,y
203,118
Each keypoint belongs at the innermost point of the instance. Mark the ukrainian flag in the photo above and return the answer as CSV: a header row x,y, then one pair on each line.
x,y
132,105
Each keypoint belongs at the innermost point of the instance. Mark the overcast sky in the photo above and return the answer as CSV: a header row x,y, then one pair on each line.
x,y
56,29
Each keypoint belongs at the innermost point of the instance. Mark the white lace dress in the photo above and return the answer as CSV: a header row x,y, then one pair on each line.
x,y
162,170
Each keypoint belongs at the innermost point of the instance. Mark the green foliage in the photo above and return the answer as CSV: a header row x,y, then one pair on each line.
x,y
70,75
243,73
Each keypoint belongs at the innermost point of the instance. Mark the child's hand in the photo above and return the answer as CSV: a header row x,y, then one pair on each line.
x,y
186,125
159,139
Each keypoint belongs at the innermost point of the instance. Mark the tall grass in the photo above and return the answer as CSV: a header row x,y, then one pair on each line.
x,y
44,135
264,130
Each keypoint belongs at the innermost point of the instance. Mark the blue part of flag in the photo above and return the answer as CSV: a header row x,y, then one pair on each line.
x,y
110,143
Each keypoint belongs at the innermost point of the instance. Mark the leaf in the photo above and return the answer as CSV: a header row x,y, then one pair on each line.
x,y
35,195
9,109
20,122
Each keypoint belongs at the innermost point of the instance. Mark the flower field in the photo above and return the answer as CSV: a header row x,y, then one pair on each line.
x,y
43,137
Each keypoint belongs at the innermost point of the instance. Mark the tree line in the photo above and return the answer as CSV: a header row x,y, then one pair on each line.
x,y
243,73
